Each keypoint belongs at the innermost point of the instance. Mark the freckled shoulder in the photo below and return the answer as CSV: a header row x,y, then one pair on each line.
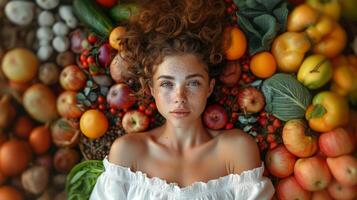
x,y
240,150
127,149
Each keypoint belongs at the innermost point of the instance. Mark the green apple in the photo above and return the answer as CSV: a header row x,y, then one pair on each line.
x,y
349,9
315,71
331,8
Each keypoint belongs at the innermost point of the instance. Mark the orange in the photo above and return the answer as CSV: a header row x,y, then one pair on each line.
x,y
263,65
115,37
93,123
234,43
40,139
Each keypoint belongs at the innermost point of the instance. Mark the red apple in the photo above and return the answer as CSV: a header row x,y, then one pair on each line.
x,y
339,191
312,173
321,195
280,162
296,141
288,188
215,117
251,100
72,78
231,73
344,169
67,105
135,121
120,96
65,132
336,142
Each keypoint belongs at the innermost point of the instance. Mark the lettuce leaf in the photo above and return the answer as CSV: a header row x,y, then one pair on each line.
x,y
82,178
285,97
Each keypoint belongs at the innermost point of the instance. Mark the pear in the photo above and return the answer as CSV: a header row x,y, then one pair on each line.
x,y
344,169
315,71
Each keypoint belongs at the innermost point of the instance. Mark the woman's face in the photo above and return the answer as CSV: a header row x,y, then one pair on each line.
x,y
181,86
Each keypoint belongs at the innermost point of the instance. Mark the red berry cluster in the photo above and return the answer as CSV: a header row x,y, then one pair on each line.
x,y
246,77
88,58
271,127
231,10
147,106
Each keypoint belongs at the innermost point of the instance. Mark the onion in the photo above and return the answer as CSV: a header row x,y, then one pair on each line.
x,y
78,41
104,55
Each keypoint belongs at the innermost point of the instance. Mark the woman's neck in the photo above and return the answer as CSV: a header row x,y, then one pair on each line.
x,y
183,139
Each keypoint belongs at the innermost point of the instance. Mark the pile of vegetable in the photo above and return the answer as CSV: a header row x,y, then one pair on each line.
x,y
291,86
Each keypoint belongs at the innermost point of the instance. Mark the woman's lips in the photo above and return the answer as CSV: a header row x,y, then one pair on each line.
x,y
180,113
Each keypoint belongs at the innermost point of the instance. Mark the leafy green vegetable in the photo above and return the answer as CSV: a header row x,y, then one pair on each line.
x,y
285,97
262,20
82,178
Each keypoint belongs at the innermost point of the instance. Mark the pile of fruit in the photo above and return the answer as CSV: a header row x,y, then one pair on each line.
x,y
66,97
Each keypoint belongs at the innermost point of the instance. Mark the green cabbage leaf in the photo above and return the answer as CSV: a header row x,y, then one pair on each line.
x,y
285,97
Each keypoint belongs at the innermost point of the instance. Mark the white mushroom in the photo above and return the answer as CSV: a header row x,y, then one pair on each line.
x,y
72,22
47,4
44,33
66,13
46,18
60,28
44,52
20,12
44,42
60,43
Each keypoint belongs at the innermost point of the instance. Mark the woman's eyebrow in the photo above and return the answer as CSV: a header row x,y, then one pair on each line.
x,y
194,75
165,77
172,78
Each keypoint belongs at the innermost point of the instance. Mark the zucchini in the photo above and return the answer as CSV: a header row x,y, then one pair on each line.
x,y
93,17
123,11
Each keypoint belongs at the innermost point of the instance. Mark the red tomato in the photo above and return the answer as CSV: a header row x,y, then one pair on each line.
x,y
107,3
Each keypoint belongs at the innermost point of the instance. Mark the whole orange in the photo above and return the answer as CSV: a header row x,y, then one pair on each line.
x,y
93,123
40,139
9,192
263,65
115,37
234,43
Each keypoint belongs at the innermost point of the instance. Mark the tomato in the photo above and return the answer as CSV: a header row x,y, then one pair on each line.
x,y
327,111
107,3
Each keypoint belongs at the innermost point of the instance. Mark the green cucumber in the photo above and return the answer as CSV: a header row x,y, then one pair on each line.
x,y
123,11
93,16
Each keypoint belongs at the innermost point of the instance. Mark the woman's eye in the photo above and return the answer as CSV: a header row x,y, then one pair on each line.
x,y
166,84
194,83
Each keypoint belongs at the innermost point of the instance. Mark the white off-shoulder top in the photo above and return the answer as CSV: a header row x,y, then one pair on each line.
x,y
120,183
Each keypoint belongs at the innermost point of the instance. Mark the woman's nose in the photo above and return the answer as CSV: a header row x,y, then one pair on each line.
x,y
180,95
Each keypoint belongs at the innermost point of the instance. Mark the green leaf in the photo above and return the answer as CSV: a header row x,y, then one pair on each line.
x,y
86,91
82,178
285,97
77,176
317,112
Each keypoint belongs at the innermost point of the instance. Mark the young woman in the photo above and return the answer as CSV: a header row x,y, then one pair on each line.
x,y
174,49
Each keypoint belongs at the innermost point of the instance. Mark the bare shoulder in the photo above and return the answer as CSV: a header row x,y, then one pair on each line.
x,y
240,149
127,149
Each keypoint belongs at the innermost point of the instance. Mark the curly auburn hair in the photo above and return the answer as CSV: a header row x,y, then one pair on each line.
x,y
167,27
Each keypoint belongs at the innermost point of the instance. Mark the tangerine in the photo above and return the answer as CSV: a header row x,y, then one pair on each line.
x,y
115,37
263,64
234,43
93,123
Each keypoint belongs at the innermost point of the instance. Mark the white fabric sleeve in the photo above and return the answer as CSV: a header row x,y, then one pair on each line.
x,y
262,190
108,188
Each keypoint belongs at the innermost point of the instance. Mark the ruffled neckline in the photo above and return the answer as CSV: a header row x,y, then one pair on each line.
x,y
140,178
